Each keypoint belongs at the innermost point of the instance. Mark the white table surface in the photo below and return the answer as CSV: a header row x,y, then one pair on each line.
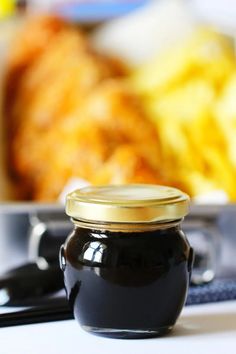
x,y
200,329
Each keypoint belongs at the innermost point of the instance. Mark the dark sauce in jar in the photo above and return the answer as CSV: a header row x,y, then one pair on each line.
x,y
127,282
127,262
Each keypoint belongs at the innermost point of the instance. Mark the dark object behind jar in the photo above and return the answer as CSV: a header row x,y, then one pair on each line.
x,y
134,281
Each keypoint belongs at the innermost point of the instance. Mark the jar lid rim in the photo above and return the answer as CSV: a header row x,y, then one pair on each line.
x,y
127,203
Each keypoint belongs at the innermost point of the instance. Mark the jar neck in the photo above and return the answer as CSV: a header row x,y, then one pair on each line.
x,y
127,227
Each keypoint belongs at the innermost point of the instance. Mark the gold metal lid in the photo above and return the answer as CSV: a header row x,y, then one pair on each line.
x,y
131,203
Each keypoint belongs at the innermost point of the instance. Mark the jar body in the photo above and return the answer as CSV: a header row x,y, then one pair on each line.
x,y
126,284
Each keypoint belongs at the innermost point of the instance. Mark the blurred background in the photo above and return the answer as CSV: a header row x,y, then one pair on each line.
x,y
97,92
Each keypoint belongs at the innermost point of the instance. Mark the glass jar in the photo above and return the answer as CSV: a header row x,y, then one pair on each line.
x,y
127,263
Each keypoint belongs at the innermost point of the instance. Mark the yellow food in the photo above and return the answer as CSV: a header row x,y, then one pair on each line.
x,y
189,92
73,112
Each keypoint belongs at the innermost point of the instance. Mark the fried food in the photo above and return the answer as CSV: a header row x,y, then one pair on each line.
x,y
72,112
51,67
69,114
189,92
205,54
225,112
98,135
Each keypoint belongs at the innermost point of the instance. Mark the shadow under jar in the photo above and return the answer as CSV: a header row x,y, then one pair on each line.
x,y
127,263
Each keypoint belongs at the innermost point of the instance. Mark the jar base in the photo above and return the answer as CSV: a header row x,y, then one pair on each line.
x,y
127,333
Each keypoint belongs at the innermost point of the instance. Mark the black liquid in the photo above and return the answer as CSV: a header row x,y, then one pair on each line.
x,y
127,281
